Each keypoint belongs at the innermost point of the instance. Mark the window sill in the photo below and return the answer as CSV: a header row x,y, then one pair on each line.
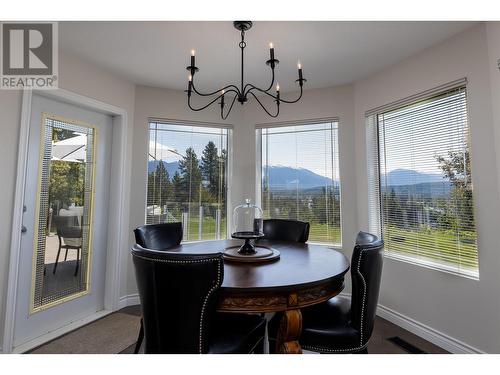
x,y
469,274
326,244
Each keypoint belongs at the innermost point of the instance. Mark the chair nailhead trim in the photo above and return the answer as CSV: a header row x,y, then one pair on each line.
x,y
215,287
361,345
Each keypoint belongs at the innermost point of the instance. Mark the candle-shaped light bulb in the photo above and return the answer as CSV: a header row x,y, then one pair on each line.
x,y
192,57
222,99
222,92
271,50
278,87
299,65
190,83
278,93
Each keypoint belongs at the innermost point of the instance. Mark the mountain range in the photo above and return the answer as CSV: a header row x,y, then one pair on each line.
x,y
399,177
282,177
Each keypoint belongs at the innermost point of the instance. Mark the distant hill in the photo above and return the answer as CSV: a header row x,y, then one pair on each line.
x,y
399,177
281,177
424,189
286,178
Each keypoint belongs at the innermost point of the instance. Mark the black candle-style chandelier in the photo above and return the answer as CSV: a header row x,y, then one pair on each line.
x,y
241,93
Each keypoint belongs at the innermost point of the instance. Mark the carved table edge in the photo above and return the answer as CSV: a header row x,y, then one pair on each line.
x,y
280,301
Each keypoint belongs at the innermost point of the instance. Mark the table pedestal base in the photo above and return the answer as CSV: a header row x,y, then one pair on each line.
x,y
287,341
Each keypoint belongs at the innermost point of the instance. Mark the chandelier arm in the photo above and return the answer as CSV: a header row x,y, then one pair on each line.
x,y
260,90
293,101
269,88
264,108
230,108
202,108
225,88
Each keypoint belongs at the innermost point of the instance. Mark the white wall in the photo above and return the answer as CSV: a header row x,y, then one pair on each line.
x,y
464,309
493,35
74,75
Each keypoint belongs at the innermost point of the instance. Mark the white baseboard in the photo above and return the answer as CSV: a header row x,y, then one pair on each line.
x,y
430,334
129,300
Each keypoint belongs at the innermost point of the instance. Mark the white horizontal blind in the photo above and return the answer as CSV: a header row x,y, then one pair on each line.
x,y
187,172
373,168
300,177
425,182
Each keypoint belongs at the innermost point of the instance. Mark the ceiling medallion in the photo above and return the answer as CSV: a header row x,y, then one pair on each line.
x,y
241,93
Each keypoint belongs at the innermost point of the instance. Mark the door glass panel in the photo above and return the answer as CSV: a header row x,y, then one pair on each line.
x,y
63,239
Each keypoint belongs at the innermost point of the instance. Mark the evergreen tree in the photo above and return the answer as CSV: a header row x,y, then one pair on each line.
x,y
394,212
189,167
221,174
456,168
210,168
159,185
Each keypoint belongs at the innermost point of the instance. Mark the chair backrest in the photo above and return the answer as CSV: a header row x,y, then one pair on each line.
x,y
67,226
286,230
178,295
366,272
159,236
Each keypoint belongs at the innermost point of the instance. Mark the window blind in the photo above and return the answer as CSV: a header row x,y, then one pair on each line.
x,y
300,177
187,173
426,207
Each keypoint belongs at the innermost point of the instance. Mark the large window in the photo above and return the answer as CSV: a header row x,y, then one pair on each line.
x,y
422,193
187,171
300,177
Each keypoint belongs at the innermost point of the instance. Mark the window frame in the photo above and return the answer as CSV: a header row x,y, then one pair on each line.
x,y
258,166
373,143
229,167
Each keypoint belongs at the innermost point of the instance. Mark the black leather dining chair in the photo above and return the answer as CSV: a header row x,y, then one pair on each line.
x,y
178,295
286,230
339,325
159,236
156,237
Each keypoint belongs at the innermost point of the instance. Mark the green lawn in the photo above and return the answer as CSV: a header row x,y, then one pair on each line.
x,y
434,244
325,233
208,229
318,232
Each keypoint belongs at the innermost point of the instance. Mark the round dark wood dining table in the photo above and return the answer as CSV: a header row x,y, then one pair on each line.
x,y
304,275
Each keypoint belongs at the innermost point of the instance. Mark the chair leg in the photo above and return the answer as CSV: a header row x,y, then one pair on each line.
x,y
57,260
272,345
139,338
77,260
66,255
259,349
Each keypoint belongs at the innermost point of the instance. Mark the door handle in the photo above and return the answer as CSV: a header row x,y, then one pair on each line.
x,y
23,229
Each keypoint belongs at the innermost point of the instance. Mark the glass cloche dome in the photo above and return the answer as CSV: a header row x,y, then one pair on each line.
x,y
247,225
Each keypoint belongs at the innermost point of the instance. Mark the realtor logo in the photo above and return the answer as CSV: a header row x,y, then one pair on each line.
x,y
28,55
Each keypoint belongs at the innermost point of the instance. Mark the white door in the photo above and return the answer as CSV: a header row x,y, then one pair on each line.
x,y
63,244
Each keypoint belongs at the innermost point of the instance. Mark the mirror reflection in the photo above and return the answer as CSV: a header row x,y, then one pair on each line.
x,y
65,205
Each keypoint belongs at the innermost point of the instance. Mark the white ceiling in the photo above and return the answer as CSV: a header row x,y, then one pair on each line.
x,y
332,53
